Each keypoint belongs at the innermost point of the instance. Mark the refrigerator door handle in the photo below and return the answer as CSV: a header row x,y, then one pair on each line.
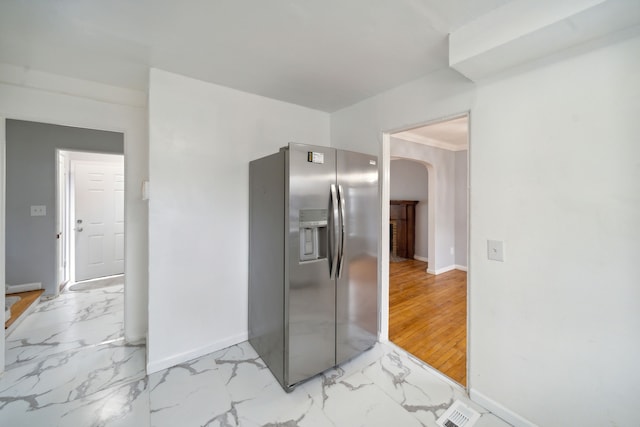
x,y
333,233
341,202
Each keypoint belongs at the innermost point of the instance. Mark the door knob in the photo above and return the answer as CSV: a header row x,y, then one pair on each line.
x,y
79,229
79,221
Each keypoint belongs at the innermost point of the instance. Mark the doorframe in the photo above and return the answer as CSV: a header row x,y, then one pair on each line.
x,y
63,222
383,252
69,226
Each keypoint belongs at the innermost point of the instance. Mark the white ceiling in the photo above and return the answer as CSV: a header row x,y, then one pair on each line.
x,y
324,54
450,135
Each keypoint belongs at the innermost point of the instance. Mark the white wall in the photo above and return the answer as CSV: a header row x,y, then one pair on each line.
x,y
461,210
409,181
555,173
92,106
441,94
202,137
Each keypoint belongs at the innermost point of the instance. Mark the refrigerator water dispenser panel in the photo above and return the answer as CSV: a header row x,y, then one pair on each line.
x,y
313,234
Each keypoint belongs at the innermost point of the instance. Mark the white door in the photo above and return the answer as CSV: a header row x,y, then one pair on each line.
x,y
99,220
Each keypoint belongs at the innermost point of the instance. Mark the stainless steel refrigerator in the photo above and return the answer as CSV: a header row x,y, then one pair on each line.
x,y
313,281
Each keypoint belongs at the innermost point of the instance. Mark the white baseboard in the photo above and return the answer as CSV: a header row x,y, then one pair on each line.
x,y
441,270
499,410
135,340
24,287
421,258
447,268
167,362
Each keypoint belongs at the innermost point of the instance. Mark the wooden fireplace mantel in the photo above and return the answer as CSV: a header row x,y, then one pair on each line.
x,y
403,213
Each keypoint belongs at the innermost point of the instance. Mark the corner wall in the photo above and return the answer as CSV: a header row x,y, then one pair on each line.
x,y
202,137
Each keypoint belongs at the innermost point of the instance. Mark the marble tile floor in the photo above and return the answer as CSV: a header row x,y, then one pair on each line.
x,y
103,383
71,321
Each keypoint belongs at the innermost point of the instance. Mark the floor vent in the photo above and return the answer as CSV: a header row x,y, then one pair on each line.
x,y
458,415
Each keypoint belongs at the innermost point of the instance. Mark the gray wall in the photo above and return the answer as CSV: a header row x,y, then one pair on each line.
x,y
461,207
31,180
409,181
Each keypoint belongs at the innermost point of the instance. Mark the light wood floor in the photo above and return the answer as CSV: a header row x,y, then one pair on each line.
x,y
26,299
428,316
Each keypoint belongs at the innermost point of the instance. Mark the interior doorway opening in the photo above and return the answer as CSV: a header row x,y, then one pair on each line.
x,y
90,216
31,225
428,166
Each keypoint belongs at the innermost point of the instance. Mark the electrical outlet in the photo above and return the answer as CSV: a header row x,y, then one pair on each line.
x,y
39,210
495,250
452,251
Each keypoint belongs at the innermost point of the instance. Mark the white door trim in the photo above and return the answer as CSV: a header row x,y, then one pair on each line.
x,y
62,220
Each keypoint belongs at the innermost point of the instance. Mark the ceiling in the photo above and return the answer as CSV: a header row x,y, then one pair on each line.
x,y
325,54
450,135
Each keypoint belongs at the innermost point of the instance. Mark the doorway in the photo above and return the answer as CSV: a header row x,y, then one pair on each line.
x,y
90,201
428,292
35,225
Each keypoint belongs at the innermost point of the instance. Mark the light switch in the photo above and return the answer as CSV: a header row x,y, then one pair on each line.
x,y
39,210
495,250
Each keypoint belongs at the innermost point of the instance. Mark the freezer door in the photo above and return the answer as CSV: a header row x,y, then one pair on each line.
x,y
310,293
357,284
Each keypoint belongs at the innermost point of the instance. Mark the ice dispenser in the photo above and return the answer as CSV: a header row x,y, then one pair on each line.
x,y
313,234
